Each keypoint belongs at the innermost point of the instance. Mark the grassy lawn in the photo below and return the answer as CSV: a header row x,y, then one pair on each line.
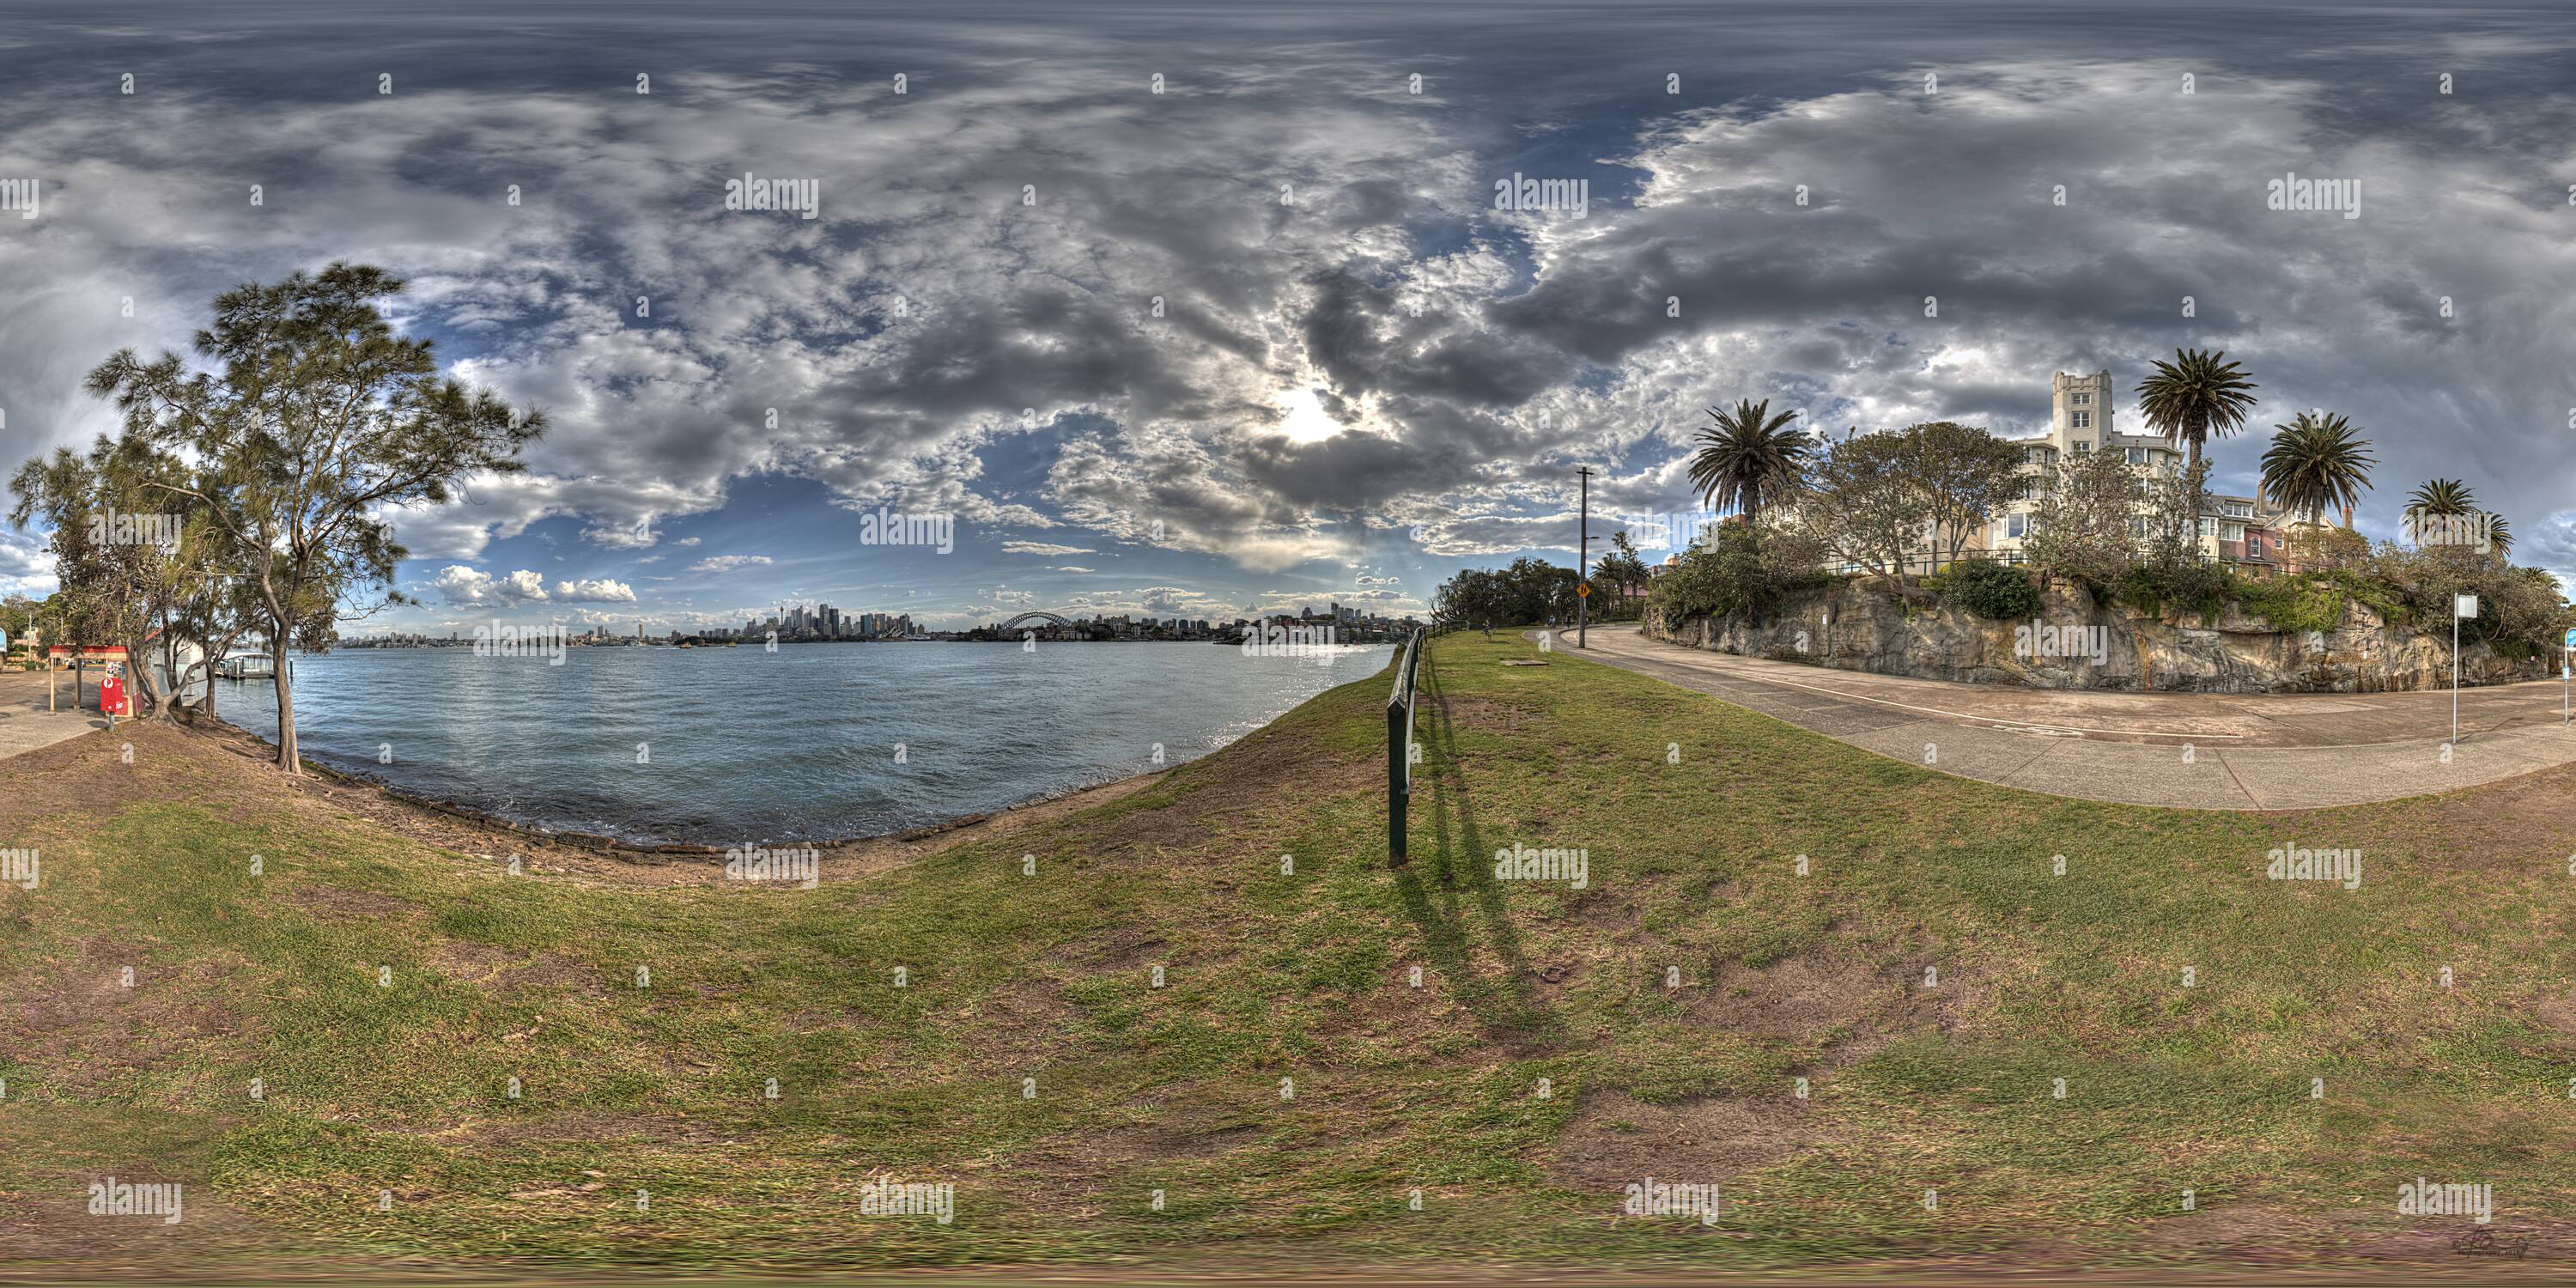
x,y
1158,1008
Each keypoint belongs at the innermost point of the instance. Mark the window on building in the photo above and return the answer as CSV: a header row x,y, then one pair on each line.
x,y
2017,526
2082,446
2231,532
2137,456
2138,525
2209,527
2237,509
2079,400
2079,420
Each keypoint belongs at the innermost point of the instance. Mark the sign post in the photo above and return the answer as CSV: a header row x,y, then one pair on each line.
x,y
2461,606
2566,667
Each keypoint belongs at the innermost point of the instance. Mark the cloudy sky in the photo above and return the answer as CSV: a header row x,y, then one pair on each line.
x,y
1262,338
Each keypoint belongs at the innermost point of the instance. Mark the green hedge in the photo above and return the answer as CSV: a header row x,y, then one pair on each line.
x,y
1988,589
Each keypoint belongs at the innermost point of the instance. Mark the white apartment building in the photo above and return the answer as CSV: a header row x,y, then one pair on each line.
x,y
2242,531
2236,529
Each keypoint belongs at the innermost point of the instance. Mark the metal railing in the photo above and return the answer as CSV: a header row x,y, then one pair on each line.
x,y
1399,747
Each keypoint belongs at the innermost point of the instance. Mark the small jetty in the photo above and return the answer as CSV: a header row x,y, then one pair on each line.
x,y
250,666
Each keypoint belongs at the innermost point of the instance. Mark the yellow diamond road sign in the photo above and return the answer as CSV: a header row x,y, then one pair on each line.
x,y
1584,589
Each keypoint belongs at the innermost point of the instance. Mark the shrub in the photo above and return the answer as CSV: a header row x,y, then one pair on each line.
x,y
1989,589
2291,603
2151,587
1738,573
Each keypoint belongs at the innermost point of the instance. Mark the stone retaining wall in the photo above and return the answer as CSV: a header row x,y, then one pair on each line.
x,y
1861,626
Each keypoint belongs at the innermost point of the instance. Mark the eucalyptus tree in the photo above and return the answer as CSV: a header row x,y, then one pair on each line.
x,y
315,421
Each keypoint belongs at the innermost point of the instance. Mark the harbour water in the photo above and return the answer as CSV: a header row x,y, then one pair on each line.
x,y
812,742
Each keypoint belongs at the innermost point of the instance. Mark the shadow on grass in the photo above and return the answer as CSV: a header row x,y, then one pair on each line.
x,y
1447,885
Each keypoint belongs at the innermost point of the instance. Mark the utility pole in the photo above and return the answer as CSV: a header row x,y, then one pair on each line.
x,y
1583,565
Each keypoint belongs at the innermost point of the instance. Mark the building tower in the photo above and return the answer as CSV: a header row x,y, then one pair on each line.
x,y
2079,410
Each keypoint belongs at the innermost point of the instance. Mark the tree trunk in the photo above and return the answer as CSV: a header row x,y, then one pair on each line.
x,y
207,653
141,693
165,708
285,708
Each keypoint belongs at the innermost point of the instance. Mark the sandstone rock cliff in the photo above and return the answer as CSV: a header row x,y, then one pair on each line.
x,y
1855,626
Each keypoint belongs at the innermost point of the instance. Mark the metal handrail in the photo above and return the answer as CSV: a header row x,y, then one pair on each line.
x,y
1399,746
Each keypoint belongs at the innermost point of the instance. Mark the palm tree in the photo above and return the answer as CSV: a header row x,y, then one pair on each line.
x,y
2441,499
2316,462
1749,458
2498,533
2192,396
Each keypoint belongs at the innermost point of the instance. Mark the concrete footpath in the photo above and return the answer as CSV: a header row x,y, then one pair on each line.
x,y
2186,750
25,724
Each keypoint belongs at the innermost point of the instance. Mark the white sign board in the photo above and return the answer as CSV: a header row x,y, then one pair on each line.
x,y
2571,641
2464,606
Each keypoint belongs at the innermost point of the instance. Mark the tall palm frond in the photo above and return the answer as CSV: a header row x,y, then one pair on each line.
x,y
1749,458
2316,462
2442,498
2193,396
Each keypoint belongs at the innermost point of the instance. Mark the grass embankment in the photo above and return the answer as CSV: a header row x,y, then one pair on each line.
x,y
1543,1063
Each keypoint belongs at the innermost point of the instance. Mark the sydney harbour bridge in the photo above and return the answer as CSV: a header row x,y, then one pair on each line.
x,y
1036,618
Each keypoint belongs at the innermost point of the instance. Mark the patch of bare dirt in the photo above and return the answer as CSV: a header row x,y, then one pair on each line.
x,y
2264,1234
1837,996
48,1223
1068,1173
2557,1013
1802,998
1026,1017
93,775
332,901
1436,1024
89,1025
1487,714
554,973
1242,779
1616,1140
1121,953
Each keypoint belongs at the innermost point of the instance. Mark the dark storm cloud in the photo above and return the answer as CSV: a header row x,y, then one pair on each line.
x,y
991,245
